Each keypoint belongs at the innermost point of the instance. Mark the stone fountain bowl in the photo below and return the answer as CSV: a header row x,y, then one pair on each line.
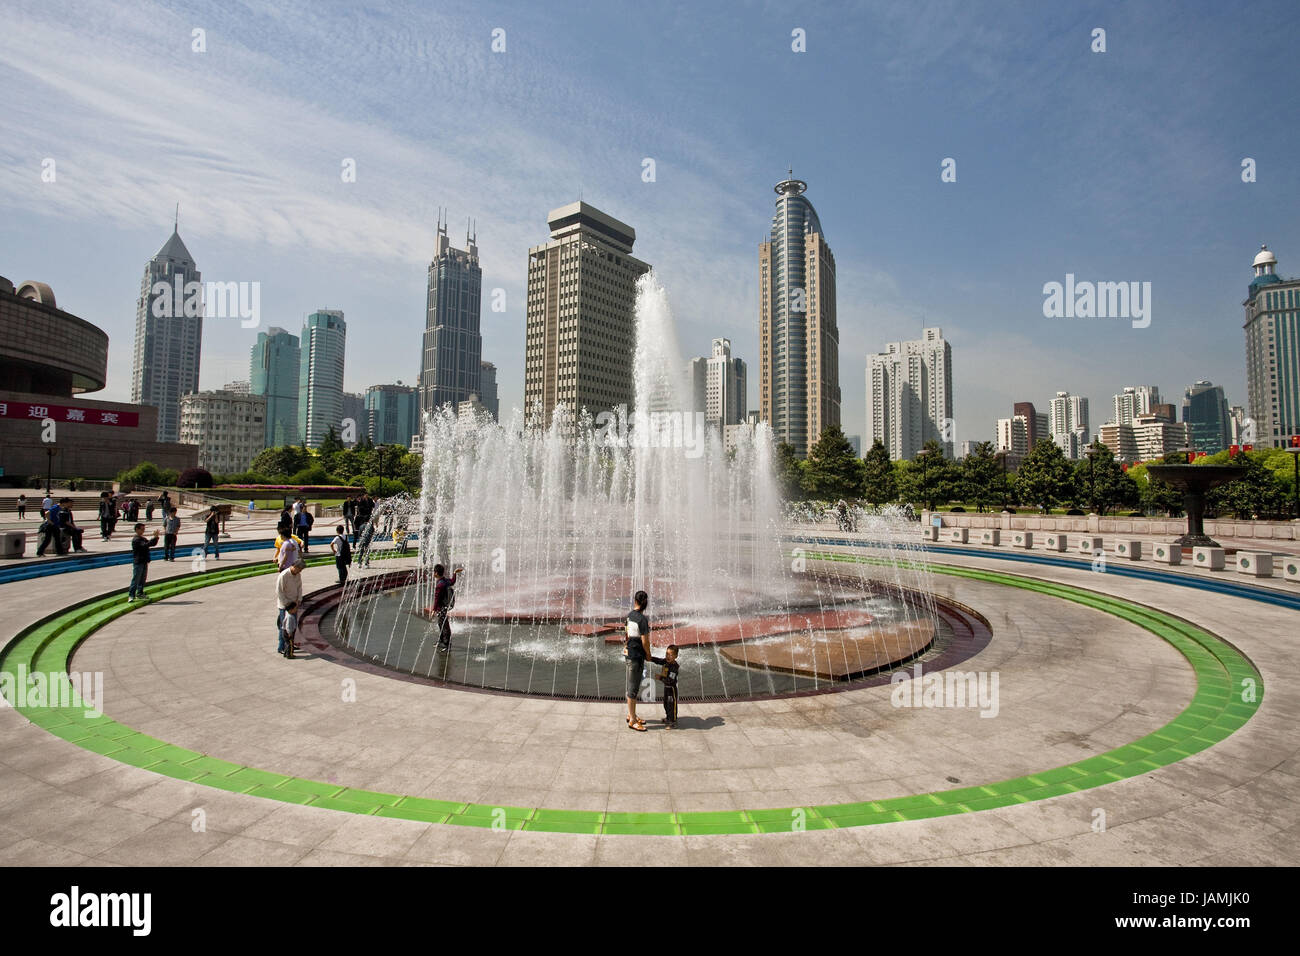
x,y
1195,478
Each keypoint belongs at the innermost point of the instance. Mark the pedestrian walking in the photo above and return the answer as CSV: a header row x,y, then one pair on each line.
x,y
211,529
22,507
171,529
303,522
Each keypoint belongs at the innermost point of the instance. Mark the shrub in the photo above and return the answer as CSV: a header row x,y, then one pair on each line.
x,y
145,473
312,475
193,478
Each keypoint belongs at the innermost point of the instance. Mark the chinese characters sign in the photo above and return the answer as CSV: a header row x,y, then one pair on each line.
x,y
67,413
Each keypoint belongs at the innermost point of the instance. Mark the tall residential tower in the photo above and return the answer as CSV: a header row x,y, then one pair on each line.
x,y
1272,353
909,395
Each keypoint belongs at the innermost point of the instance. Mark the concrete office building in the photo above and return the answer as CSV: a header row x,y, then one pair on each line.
x,y
1272,353
40,385
581,324
451,364
798,334
488,390
354,410
320,378
273,373
168,334
909,395
1156,436
719,386
228,426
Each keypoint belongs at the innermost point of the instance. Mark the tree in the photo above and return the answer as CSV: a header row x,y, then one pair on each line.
x,y
930,477
832,470
145,473
1045,477
1101,483
789,472
1154,495
981,476
329,447
194,478
281,462
878,483
1258,493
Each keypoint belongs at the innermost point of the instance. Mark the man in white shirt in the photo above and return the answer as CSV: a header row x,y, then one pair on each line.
x,y
288,599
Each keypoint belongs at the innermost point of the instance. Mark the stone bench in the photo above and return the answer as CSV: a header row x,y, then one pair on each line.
x,y
1167,553
1212,558
1258,564
1128,548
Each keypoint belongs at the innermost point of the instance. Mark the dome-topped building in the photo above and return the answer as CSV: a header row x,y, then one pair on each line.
x,y
1272,352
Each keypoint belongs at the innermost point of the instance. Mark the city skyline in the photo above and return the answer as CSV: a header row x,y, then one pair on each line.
x,y
992,235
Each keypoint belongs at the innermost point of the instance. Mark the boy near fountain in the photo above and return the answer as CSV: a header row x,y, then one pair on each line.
x,y
666,671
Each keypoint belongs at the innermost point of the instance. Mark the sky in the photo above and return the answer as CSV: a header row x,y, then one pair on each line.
x,y
1122,165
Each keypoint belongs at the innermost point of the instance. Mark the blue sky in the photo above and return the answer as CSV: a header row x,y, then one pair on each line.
x,y
1115,166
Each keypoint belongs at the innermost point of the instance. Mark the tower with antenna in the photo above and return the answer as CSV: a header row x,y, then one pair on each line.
x,y
451,354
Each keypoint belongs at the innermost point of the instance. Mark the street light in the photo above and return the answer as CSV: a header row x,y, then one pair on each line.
x,y
50,450
1002,456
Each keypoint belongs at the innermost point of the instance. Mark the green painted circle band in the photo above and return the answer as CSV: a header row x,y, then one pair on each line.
x,y
1228,692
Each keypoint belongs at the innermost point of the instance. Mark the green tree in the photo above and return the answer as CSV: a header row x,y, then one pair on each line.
x,y
789,472
879,485
281,462
930,477
1258,493
1101,483
832,470
1154,495
1045,477
329,447
145,473
981,476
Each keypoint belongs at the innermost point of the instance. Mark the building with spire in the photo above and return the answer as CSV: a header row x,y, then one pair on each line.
x,y
168,333
1272,353
451,358
798,338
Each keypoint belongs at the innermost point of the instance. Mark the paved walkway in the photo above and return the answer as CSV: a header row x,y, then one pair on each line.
x,y
200,671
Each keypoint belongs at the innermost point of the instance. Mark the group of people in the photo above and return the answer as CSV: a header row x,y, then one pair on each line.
x,y
58,527
113,506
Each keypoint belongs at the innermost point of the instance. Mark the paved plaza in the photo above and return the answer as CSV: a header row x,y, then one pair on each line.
x,y
259,760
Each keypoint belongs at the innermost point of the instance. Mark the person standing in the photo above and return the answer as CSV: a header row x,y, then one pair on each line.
x,y
139,562
304,522
211,530
46,504
148,510
22,507
171,529
636,649
342,554
349,510
252,506
288,600
444,599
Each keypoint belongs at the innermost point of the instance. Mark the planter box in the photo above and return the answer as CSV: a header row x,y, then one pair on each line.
x,y
1022,539
1212,558
1089,545
1258,564
958,534
1167,553
1130,549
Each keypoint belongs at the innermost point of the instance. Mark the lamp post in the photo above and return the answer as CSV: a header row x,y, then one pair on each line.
x,y
51,451
1002,456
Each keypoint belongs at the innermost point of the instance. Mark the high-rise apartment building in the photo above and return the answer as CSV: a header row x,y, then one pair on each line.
x,y
451,362
1120,440
392,413
320,378
1272,353
798,336
1068,422
909,395
1037,422
273,373
229,428
168,334
1205,413
718,383
1013,435
1156,436
1135,400
581,315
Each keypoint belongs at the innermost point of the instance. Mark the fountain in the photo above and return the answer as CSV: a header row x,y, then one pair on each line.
x,y
558,522
1194,481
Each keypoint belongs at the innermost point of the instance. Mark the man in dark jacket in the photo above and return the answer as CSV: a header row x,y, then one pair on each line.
x,y
139,562
443,599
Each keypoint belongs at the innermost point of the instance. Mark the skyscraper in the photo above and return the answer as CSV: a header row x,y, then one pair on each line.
x,y
581,323
1068,422
450,367
393,413
1135,400
273,372
354,410
168,334
1036,422
1272,354
1205,413
488,389
320,378
798,338
909,395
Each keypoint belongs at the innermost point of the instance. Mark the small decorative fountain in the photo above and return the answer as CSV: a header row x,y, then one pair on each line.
x,y
558,523
1194,481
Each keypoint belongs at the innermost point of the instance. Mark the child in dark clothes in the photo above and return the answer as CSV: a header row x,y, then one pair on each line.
x,y
665,668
